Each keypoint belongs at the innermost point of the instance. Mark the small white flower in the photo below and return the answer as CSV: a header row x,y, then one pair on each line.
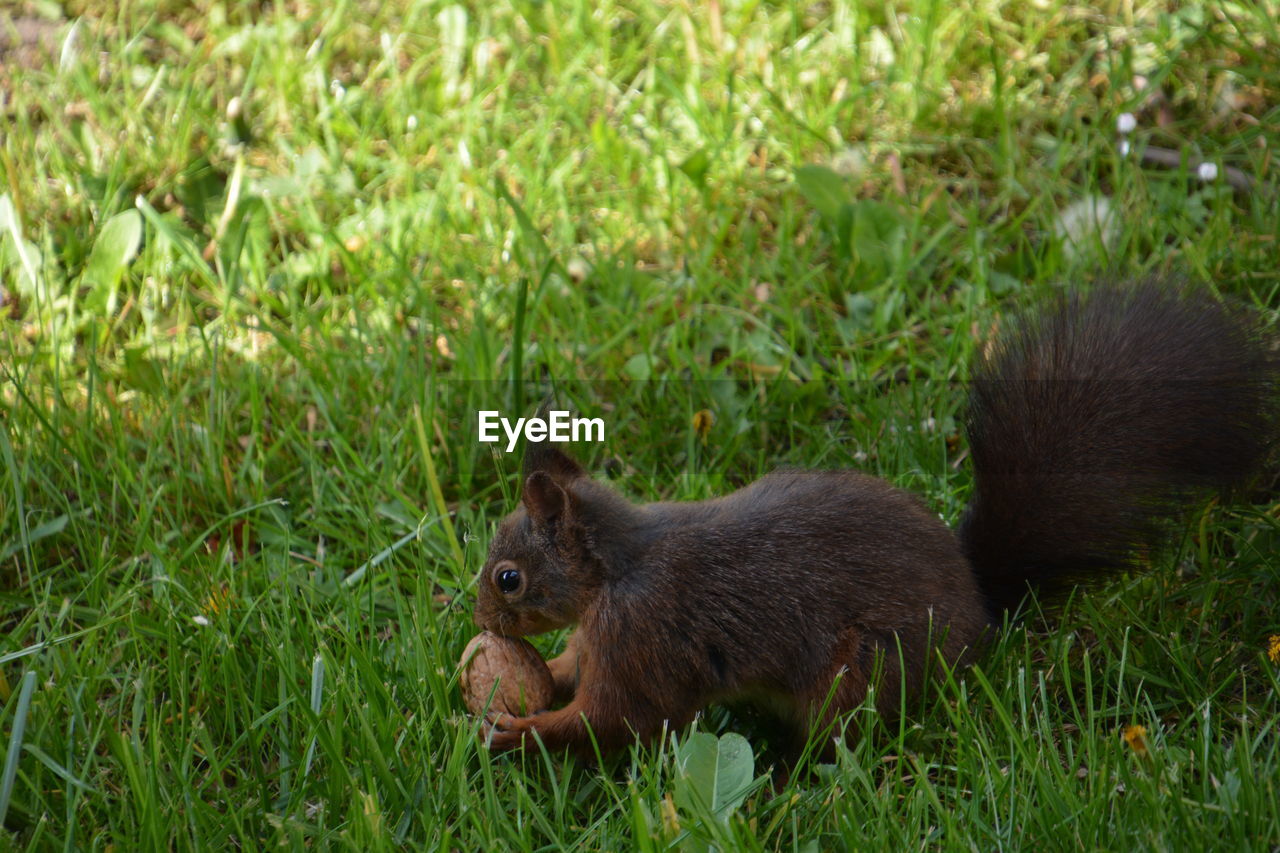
x,y
1125,123
200,620
1207,171
1124,148
411,122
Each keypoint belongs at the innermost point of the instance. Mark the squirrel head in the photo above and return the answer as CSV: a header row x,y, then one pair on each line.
x,y
540,571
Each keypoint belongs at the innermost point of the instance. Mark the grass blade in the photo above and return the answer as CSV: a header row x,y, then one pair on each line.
x,y
15,743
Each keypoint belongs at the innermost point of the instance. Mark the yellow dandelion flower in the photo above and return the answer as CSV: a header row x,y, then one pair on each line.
x,y
1273,648
702,423
1136,737
219,600
670,821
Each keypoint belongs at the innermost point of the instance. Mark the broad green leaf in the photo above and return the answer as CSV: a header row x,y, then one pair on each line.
x,y
873,234
859,315
715,774
116,246
639,367
824,189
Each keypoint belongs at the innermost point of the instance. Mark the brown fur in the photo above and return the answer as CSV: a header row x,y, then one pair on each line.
x,y
774,590
1099,418
805,581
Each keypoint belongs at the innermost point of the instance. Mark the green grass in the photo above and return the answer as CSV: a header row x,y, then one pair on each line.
x,y
415,210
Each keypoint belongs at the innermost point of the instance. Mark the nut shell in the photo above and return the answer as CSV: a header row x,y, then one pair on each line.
x,y
524,682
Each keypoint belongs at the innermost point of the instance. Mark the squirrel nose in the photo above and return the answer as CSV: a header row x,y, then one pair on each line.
x,y
486,622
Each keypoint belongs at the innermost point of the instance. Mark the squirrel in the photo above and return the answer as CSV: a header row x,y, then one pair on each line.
x,y
1091,424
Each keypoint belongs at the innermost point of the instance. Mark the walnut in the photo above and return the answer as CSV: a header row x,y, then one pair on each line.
x,y
524,682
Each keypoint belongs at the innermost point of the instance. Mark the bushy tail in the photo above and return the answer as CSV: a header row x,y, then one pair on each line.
x,y
1096,420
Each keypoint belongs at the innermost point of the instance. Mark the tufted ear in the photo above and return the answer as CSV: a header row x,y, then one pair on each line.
x,y
547,458
544,498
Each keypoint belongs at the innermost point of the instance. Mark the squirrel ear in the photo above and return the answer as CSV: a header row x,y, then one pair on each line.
x,y
550,459
543,497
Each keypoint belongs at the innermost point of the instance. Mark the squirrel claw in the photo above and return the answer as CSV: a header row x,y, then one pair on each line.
x,y
505,740
498,720
508,732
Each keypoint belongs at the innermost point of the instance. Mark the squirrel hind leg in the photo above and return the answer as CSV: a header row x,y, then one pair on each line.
x,y
856,665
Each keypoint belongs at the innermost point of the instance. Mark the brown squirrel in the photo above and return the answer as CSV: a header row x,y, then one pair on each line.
x,y
1090,425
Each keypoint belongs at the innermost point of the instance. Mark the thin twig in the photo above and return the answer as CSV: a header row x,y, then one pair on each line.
x,y
1171,159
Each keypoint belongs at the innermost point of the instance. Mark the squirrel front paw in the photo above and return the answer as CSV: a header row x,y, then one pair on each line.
x,y
504,732
556,730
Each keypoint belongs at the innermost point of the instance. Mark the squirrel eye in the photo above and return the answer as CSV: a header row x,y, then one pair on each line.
x,y
509,581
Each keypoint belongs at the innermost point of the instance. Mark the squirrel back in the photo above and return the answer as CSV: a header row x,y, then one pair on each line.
x,y
1098,418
